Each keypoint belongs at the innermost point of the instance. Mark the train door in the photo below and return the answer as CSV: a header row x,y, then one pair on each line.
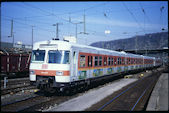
x,y
74,65
89,64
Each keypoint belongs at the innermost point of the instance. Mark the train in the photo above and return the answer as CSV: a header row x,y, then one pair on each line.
x,y
14,65
61,65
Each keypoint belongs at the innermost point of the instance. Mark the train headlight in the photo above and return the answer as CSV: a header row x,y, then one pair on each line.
x,y
59,73
32,72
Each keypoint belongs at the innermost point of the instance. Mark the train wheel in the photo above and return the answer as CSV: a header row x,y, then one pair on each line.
x,y
51,90
73,90
68,92
48,89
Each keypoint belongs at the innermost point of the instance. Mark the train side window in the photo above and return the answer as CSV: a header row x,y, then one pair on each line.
x,y
137,61
112,61
109,61
115,61
74,57
90,61
82,60
123,60
133,60
100,60
129,60
96,61
66,57
105,63
120,60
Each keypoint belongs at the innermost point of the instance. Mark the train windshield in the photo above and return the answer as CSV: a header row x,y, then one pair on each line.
x,y
58,57
38,56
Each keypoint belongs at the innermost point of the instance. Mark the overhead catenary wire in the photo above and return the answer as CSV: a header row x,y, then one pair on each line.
x,y
143,10
31,25
21,28
93,31
144,15
48,13
81,10
132,16
56,15
161,19
51,14
22,19
73,12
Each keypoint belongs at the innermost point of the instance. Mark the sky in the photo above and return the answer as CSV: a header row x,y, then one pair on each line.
x,y
104,21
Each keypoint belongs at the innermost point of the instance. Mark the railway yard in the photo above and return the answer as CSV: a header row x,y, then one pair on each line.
x,y
130,93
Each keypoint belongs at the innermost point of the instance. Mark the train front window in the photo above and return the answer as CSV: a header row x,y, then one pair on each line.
x,y
38,56
58,57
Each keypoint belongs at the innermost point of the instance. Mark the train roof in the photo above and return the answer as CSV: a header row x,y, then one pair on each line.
x,y
68,45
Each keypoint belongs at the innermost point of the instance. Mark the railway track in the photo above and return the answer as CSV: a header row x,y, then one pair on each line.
x,y
36,102
14,75
11,83
39,102
126,99
22,104
15,85
16,89
130,98
15,81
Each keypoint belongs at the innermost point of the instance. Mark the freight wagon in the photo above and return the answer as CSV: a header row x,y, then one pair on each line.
x,y
14,63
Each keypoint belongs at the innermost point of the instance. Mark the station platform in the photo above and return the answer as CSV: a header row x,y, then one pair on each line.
x,y
158,100
91,97
159,97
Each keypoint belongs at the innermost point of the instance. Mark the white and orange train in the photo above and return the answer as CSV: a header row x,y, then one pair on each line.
x,y
59,64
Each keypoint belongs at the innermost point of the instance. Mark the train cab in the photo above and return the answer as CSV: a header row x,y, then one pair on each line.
x,y
50,63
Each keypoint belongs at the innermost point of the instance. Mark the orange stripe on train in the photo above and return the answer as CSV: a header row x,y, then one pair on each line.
x,y
51,72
